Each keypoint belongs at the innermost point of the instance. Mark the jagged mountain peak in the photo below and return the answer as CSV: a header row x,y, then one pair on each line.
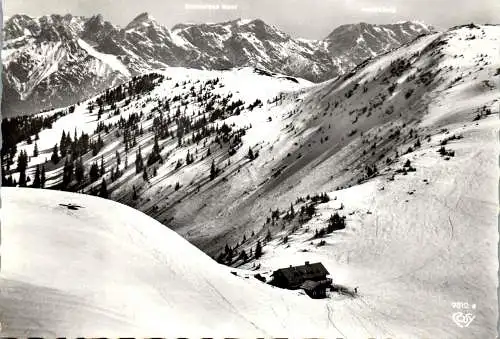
x,y
255,31
144,45
16,17
354,43
96,29
143,19
181,26
53,27
97,18
259,24
413,26
17,26
418,23
250,22
229,23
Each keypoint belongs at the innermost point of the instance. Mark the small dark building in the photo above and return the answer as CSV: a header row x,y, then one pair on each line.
x,y
312,278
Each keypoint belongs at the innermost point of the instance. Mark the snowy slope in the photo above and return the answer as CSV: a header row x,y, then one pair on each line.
x,y
243,84
323,137
122,272
309,141
415,241
110,60
107,270
414,245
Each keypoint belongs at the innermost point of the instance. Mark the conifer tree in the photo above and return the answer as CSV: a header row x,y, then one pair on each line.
x,y
36,181
134,194
213,171
6,182
250,154
79,170
103,191
42,177
336,222
268,236
102,170
178,164
139,163
258,250
99,113
189,158
94,172
243,256
62,144
155,153
55,155
35,150
22,164
67,172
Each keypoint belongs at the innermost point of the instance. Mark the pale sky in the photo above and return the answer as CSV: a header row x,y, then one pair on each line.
x,y
301,18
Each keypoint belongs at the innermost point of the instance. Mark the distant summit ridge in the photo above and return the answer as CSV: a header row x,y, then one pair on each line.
x,y
46,64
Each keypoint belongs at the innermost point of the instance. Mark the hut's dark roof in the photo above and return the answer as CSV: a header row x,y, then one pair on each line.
x,y
307,272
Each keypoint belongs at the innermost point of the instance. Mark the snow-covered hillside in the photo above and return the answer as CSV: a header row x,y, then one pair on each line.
x,y
413,245
310,139
103,269
404,146
245,84
422,233
329,134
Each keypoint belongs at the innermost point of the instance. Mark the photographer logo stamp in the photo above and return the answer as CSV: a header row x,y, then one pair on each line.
x,y
464,315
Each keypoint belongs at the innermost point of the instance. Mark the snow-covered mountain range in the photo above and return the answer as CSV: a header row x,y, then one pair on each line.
x,y
404,146
52,61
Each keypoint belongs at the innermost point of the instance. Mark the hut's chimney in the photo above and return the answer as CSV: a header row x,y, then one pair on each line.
x,y
307,263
